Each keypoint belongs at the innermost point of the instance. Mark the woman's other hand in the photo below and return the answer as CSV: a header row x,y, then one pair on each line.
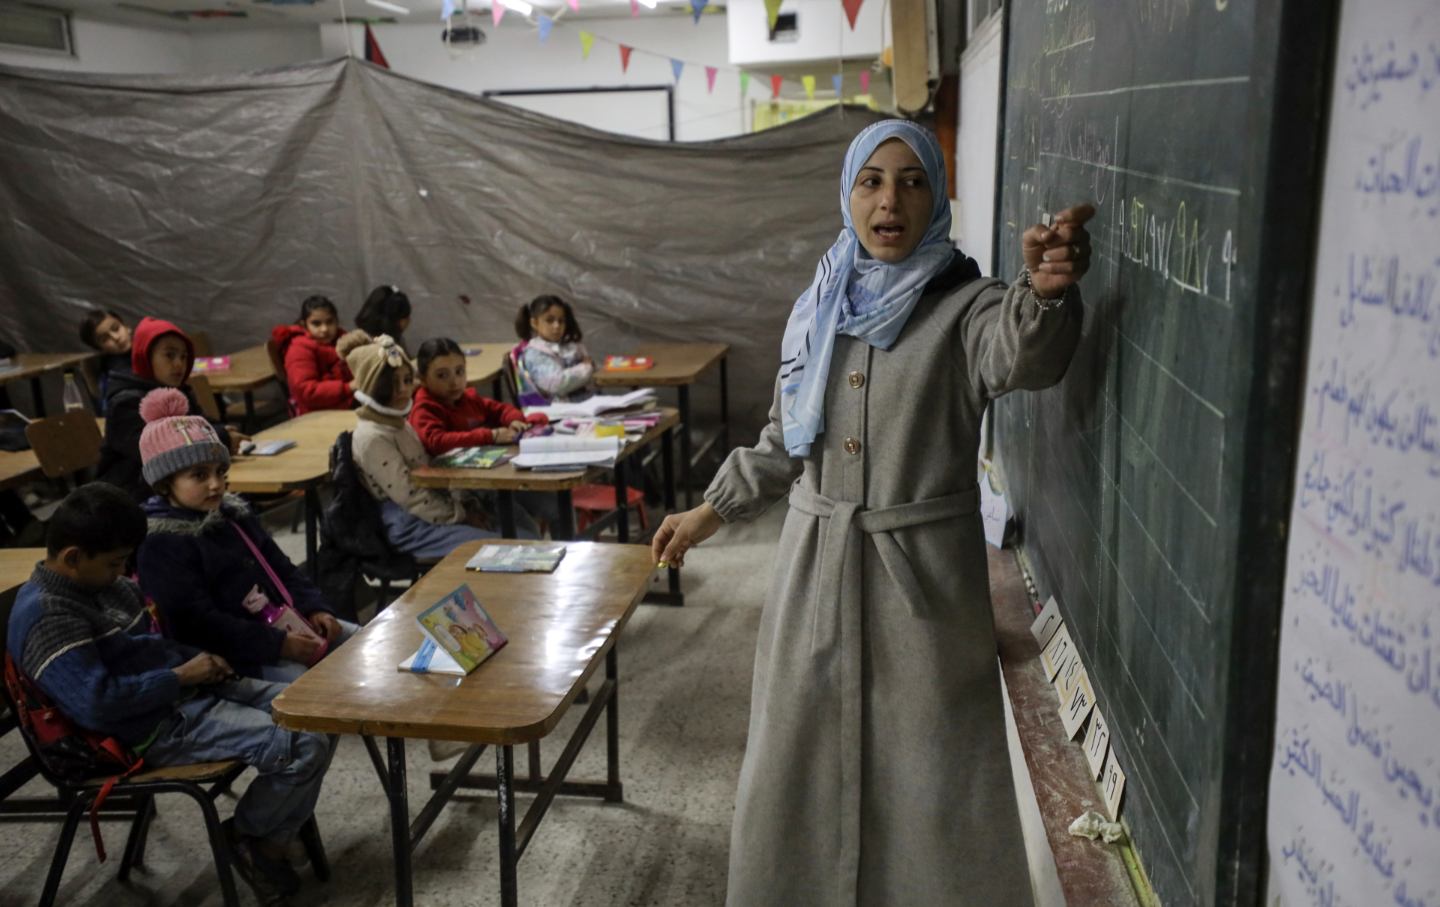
x,y
682,531
1058,256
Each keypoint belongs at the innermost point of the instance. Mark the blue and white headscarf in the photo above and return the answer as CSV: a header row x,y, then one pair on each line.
x,y
855,294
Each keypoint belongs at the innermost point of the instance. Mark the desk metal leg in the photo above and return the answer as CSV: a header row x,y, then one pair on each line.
x,y
506,502
564,528
622,504
505,794
37,396
615,791
312,520
685,428
724,409
395,790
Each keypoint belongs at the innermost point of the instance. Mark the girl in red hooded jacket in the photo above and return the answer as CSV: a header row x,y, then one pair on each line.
x,y
317,375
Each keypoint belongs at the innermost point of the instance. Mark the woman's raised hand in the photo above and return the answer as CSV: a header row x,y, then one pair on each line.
x,y
682,531
1058,256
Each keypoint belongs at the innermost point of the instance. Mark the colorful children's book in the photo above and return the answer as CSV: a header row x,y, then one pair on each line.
x,y
516,558
458,627
211,365
473,457
628,363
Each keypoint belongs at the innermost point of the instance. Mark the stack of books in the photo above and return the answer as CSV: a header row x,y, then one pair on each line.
x,y
568,452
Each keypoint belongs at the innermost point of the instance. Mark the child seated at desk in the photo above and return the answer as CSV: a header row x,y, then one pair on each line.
x,y
317,375
426,523
107,332
78,632
449,414
161,356
208,563
386,311
551,364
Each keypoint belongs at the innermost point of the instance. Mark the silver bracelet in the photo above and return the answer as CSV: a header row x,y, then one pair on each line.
x,y
1043,304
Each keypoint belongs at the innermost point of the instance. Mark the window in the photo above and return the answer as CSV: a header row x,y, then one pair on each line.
x,y
34,28
979,11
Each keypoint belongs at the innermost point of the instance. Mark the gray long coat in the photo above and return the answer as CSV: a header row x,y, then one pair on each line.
x,y
877,771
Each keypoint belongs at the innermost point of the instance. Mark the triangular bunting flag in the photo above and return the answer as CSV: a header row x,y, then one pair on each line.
x,y
544,23
744,83
634,7
864,81
625,57
837,82
809,83
497,11
447,9
372,50
677,67
698,7
710,72
575,5
772,12
852,9
775,85
587,41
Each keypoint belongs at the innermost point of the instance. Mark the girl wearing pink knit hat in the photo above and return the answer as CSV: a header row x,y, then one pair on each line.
x,y
219,580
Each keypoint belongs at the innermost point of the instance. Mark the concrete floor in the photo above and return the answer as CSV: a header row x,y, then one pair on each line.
x,y
684,704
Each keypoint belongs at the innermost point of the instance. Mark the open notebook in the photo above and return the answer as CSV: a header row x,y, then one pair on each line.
x,y
600,403
567,452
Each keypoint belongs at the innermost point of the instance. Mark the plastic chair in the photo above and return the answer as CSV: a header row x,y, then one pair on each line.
x,y
594,501
202,782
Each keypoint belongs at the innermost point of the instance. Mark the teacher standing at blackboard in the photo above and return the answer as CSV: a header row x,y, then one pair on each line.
x,y
877,770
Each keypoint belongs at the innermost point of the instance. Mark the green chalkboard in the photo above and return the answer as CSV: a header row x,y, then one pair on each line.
x,y
1152,482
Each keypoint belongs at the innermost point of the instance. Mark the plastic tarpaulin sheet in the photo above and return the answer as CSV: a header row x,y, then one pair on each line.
x,y
220,202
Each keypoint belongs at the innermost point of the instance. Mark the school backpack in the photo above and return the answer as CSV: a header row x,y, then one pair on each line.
x,y
352,533
67,752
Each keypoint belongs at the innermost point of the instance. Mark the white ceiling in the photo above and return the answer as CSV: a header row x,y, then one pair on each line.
x,y
207,14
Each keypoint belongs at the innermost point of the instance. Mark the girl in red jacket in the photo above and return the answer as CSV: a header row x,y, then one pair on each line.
x,y
450,414
317,375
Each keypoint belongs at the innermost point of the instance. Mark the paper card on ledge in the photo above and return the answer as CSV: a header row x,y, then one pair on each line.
x,y
1097,743
1112,785
1060,647
994,508
1046,623
1071,670
1078,704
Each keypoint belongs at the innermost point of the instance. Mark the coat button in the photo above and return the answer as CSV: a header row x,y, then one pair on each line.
x,y
852,446
857,380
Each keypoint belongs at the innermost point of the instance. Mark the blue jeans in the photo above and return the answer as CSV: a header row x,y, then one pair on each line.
x,y
431,541
289,671
232,721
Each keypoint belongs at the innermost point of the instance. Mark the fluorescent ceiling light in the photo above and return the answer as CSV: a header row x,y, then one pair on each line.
x,y
392,7
519,6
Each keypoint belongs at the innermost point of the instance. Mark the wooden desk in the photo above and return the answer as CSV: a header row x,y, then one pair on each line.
x,y
561,627
16,565
680,365
34,366
303,467
486,362
250,369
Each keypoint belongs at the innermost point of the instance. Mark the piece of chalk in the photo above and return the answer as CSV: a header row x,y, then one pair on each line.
x,y
662,565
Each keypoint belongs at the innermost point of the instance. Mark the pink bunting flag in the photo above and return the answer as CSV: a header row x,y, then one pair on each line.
x,y
625,57
852,10
710,72
497,11
575,5
775,82
634,7
864,81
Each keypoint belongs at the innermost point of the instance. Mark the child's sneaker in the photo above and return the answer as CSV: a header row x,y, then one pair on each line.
x,y
272,880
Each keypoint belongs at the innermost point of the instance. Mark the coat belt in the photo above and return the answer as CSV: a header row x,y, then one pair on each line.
x,y
837,621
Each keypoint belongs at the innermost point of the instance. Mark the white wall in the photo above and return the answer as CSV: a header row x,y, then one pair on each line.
x,y
108,47
823,32
975,144
514,58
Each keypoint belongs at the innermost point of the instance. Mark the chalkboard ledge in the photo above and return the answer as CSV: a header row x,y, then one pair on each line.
x,y
1089,872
